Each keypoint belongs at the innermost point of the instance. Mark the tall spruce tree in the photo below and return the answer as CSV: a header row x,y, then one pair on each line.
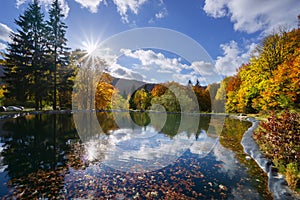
x,y
26,76
59,54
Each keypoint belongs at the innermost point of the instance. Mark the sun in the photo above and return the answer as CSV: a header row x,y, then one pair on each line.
x,y
90,47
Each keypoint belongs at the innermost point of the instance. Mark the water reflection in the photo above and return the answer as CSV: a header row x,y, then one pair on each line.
x,y
131,156
33,145
142,142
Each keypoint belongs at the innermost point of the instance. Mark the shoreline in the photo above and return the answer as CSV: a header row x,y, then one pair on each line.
x,y
14,114
276,182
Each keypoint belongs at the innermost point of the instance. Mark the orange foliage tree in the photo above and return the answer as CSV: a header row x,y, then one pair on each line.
x,y
158,90
104,92
271,78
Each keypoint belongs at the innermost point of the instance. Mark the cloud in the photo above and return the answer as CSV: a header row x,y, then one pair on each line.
x,y
2,46
203,68
150,58
161,14
233,57
228,159
155,65
215,8
5,32
161,68
92,5
255,15
47,3
119,71
20,2
123,6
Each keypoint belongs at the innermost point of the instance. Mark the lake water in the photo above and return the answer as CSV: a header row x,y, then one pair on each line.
x,y
127,156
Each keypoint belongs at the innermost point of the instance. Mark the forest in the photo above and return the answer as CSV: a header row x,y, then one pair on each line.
x,y
40,71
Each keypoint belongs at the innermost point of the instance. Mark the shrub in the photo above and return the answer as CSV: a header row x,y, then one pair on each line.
x,y
292,175
279,139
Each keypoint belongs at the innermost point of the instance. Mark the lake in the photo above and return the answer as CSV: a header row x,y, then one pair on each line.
x,y
127,155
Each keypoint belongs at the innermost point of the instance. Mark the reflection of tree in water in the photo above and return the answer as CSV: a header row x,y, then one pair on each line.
x,y
172,124
140,118
230,138
106,121
169,124
176,123
34,153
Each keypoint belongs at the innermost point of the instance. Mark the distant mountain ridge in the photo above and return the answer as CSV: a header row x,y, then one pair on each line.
x,y
128,86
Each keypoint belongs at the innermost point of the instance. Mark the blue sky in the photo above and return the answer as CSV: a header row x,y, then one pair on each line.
x,y
227,29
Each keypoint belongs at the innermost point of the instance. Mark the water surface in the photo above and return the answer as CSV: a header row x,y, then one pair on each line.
x,y
128,155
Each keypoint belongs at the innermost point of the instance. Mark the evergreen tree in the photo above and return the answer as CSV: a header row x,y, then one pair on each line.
x,y
59,55
26,76
197,83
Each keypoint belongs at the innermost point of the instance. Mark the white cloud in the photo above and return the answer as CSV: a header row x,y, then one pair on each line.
x,y
157,66
20,2
215,8
46,3
119,71
203,68
2,46
5,32
92,5
233,57
228,159
255,15
123,6
150,58
161,14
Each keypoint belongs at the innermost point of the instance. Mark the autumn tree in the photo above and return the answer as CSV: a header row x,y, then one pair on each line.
x,y
104,92
283,88
175,97
232,87
212,89
220,98
142,99
158,90
270,80
203,98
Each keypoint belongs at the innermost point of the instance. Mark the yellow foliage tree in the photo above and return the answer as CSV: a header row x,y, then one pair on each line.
x,y
104,93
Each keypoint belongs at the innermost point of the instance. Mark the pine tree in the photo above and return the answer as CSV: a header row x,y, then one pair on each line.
x,y
26,76
59,54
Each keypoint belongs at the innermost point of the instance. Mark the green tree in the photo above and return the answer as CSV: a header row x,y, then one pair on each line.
x,y
59,53
220,98
142,99
26,74
168,100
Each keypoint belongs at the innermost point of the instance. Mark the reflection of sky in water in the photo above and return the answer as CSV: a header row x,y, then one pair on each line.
x,y
144,146
3,174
